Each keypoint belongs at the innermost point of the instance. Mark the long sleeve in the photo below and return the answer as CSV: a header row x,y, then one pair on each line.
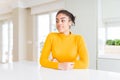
x,y
64,49
44,61
82,63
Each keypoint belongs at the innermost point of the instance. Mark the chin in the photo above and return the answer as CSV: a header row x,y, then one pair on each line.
x,y
60,31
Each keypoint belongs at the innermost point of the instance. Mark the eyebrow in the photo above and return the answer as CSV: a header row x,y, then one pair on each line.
x,y
61,18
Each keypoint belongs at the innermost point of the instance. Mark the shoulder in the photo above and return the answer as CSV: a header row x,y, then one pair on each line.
x,y
78,36
51,35
80,39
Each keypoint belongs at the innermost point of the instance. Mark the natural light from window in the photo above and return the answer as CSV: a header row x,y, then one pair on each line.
x,y
113,32
7,41
46,23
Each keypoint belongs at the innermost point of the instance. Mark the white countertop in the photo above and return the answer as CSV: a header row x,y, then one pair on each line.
x,y
31,71
78,74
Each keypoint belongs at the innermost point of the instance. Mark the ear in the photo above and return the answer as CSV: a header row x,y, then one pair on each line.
x,y
70,23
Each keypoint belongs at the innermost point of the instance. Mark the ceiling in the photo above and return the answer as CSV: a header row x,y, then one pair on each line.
x,y
7,5
2,1
6,1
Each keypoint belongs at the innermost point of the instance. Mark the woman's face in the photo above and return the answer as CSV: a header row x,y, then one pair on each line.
x,y
63,23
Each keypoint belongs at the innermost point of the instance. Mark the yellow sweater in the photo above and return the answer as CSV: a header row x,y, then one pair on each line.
x,y
70,48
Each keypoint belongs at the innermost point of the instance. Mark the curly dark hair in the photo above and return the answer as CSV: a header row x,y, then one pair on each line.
x,y
67,13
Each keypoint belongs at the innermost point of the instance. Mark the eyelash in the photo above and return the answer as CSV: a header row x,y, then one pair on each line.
x,y
61,21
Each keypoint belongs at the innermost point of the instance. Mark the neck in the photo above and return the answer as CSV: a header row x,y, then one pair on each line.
x,y
66,33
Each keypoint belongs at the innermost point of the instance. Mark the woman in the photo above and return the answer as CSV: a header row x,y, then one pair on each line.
x,y
68,50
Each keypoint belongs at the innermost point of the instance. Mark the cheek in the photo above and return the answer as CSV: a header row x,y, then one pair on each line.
x,y
57,26
67,25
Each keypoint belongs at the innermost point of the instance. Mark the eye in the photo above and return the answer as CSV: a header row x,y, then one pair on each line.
x,y
63,21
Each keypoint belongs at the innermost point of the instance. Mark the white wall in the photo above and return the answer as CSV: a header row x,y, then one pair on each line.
x,y
109,64
0,42
19,34
86,24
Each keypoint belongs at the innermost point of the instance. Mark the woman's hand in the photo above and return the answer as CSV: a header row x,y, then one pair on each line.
x,y
66,66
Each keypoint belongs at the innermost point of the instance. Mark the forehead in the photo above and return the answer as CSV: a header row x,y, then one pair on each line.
x,y
62,16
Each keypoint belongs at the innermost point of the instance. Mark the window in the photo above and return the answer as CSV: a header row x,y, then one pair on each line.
x,y
101,40
109,38
113,32
108,28
46,23
7,41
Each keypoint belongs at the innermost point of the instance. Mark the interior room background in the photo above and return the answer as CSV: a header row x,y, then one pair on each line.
x,y
24,25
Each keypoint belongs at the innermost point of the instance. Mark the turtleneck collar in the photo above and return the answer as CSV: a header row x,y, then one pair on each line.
x,y
64,35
